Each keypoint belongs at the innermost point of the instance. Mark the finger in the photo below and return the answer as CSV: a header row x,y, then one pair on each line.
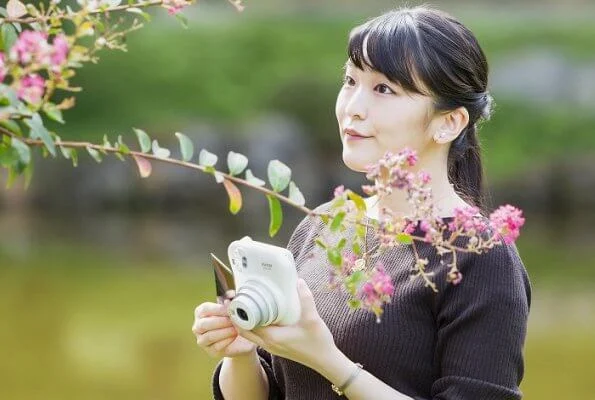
x,y
205,324
210,309
251,336
306,298
219,346
210,337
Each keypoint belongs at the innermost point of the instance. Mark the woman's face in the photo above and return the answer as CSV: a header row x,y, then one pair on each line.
x,y
388,117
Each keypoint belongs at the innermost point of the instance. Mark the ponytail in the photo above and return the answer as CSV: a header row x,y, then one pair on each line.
x,y
465,169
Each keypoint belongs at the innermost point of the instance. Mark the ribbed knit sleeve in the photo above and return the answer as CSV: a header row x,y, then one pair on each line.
x,y
481,328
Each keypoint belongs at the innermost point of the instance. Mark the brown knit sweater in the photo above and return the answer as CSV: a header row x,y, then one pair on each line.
x,y
463,343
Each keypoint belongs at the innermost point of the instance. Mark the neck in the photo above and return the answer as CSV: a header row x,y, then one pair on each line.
x,y
445,198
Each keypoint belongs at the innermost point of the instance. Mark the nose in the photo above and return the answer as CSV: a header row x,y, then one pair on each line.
x,y
357,105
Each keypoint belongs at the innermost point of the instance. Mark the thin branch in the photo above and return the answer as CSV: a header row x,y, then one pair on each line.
x,y
66,16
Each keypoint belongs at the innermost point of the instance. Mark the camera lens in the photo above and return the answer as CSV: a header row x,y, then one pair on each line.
x,y
242,314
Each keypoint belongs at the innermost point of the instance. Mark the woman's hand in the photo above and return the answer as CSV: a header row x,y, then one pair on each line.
x,y
307,342
215,333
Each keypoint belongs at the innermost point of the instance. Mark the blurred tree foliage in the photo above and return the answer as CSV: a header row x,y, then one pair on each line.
x,y
227,71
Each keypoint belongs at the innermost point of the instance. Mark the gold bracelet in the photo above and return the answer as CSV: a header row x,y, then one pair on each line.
x,y
340,390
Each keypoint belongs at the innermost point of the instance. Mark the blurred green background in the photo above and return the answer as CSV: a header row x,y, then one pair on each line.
x,y
100,271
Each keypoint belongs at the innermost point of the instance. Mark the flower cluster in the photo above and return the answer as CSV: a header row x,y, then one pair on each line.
x,y
33,48
31,88
32,52
376,291
175,6
372,289
469,220
507,222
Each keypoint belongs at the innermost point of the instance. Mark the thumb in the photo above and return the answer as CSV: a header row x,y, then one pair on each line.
x,y
306,297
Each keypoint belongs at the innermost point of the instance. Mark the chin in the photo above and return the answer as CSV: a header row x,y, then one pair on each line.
x,y
357,163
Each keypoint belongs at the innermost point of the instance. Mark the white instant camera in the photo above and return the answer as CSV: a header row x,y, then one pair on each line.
x,y
265,282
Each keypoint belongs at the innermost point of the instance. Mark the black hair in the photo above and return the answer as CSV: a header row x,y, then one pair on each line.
x,y
429,52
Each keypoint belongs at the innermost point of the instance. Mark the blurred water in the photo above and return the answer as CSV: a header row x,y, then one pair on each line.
x,y
100,306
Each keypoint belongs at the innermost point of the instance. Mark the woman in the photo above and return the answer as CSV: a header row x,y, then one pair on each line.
x,y
415,78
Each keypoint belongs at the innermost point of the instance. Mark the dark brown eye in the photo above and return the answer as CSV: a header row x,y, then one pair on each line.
x,y
348,80
384,89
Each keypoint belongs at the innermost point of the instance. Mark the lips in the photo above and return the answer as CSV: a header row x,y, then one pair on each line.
x,y
354,133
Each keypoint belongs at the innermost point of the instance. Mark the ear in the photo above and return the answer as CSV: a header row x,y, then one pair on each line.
x,y
451,124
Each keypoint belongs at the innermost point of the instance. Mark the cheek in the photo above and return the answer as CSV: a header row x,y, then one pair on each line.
x,y
339,106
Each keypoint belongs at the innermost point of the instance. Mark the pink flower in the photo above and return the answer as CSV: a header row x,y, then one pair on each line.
x,y
31,47
454,277
507,222
424,177
59,52
339,190
175,6
409,155
469,219
429,230
3,69
369,189
376,291
401,179
31,88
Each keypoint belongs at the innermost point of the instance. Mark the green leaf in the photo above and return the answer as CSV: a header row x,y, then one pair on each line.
x,y
38,131
325,218
186,146
12,126
74,156
136,10
354,303
334,256
9,36
69,154
53,112
360,204
22,149
28,174
122,147
279,175
144,166
236,163
143,139
250,178
404,238
8,95
341,243
353,281
360,231
106,142
295,195
235,196
94,153
207,158
319,242
276,215
159,152
356,248
183,20
336,224
8,155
